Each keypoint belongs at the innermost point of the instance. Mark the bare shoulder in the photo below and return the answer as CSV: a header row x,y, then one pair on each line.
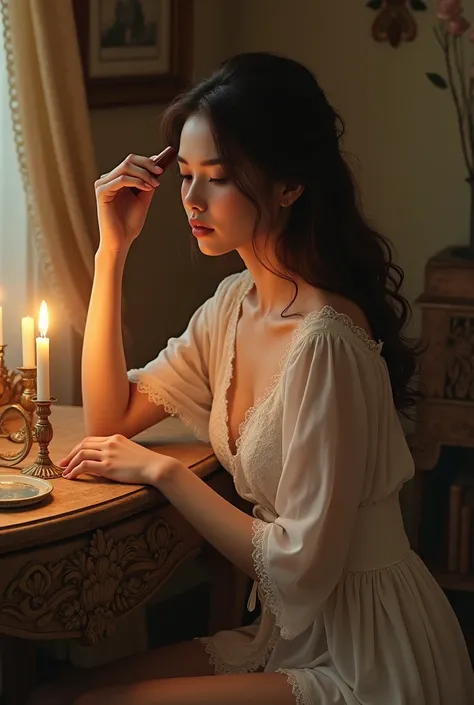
x,y
316,299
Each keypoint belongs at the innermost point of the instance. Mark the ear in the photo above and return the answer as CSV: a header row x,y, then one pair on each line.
x,y
289,194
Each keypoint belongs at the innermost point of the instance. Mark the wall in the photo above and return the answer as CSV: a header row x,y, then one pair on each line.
x,y
401,129
163,284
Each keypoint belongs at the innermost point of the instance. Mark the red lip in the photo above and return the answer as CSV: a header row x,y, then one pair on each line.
x,y
197,224
202,232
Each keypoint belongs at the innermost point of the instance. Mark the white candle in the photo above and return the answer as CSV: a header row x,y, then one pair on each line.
x,y
42,357
28,341
1,326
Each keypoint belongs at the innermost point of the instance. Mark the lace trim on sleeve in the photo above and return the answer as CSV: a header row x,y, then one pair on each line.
x,y
266,584
157,395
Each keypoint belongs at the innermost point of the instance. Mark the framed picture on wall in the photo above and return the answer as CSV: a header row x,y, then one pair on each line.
x,y
134,51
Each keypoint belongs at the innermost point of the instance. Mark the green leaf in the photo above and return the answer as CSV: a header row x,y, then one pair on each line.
x,y
418,5
437,80
375,4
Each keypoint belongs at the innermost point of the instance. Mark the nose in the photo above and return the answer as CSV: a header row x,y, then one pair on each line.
x,y
193,199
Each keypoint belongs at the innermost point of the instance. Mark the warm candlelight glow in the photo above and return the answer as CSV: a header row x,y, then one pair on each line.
x,y
43,319
42,356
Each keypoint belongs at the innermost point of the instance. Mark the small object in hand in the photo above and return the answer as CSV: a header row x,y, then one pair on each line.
x,y
164,159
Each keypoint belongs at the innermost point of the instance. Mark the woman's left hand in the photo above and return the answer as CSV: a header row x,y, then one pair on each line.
x,y
116,458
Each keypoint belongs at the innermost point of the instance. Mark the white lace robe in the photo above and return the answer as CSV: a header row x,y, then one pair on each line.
x,y
349,613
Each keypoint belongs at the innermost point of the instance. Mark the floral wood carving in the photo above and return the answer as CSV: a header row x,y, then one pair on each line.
x,y
87,591
394,20
459,382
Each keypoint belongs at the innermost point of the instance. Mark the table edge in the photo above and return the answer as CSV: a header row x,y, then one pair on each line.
x,y
78,522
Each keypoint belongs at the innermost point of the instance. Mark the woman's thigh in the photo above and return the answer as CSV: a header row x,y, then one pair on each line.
x,y
185,659
245,689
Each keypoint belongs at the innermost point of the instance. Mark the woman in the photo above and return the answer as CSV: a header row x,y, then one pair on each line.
x,y
297,371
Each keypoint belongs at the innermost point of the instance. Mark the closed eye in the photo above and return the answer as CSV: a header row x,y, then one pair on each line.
x,y
188,177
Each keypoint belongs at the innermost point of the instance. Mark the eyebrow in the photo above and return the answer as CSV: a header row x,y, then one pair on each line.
x,y
206,162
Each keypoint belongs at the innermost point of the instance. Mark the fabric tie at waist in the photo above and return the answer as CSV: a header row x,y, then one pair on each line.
x,y
252,601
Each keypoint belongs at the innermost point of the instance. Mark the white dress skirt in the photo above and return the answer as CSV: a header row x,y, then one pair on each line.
x,y
349,612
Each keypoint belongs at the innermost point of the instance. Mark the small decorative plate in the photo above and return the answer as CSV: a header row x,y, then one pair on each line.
x,y
22,490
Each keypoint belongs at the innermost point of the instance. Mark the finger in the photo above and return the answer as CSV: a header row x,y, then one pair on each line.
x,y
149,163
71,454
135,165
90,466
111,187
145,170
81,456
88,442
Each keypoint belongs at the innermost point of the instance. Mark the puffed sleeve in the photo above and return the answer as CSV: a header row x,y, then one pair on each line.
x,y
179,378
299,558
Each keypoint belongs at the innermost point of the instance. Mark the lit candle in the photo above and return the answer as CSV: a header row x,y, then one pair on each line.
x,y
1,326
42,356
28,341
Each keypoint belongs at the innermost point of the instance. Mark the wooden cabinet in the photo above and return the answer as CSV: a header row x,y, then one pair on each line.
x,y
443,441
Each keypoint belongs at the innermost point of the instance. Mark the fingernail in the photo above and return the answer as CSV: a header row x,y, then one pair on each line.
x,y
158,169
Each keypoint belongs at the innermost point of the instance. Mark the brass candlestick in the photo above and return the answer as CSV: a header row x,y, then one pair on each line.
x,y
9,459
43,465
26,401
11,383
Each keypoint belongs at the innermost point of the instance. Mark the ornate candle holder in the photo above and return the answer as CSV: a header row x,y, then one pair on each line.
x,y
43,465
26,401
11,383
9,459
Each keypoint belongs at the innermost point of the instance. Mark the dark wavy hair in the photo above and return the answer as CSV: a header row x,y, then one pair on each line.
x,y
269,111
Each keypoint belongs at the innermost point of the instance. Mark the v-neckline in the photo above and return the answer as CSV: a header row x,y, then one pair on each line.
x,y
230,358
326,311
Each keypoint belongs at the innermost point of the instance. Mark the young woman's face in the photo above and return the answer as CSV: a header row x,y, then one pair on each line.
x,y
209,199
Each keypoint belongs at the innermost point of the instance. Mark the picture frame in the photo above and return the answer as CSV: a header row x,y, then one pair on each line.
x,y
134,51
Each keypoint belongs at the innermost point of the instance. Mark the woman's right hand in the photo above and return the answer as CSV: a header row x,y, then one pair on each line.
x,y
123,198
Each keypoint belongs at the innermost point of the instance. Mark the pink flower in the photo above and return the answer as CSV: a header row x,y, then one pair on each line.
x,y
458,26
448,9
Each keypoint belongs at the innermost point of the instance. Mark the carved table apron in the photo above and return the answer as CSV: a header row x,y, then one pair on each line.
x,y
94,550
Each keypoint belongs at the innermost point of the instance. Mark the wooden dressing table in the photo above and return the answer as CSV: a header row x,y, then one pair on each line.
x,y
94,550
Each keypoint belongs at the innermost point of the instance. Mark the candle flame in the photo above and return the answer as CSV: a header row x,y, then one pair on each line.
x,y
43,319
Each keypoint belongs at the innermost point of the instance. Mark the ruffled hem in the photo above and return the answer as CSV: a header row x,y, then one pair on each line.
x,y
296,687
156,394
222,667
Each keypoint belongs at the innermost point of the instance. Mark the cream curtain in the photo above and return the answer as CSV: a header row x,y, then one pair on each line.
x,y
54,145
